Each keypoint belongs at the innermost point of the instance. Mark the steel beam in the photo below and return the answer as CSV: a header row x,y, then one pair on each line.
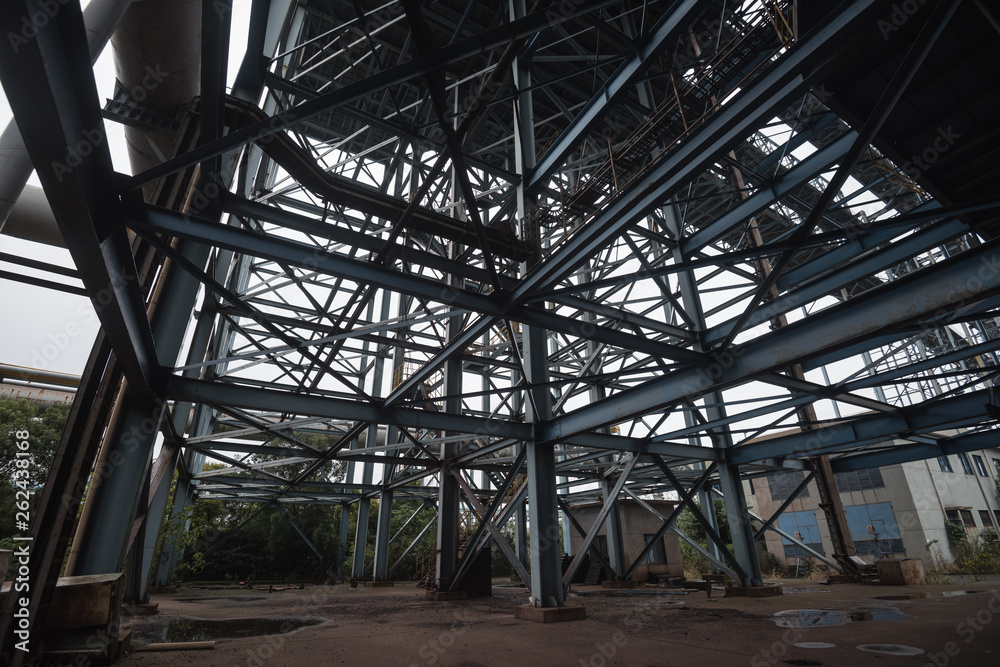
x,y
613,90
257,398
957,282
51,89
790,76
926,417
897,454
419,66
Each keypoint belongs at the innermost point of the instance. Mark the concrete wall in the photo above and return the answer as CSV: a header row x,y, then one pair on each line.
x,y
935,490
919,492
636,522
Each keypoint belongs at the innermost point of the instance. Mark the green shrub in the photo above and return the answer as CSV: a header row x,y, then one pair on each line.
x,y
981,557
769,564
695,565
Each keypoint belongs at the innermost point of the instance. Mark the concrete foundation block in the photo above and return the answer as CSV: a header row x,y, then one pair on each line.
x,y
754,591
901,572
549,614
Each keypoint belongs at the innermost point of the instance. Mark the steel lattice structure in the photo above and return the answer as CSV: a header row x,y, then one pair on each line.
x,y
516,258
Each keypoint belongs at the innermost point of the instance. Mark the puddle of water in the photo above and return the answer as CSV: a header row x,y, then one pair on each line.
x,y
187,629
923,596
890,649
813,618
787,590
236,598
814,645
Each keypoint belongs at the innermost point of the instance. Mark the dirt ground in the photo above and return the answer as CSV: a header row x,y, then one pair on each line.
x,y
397,626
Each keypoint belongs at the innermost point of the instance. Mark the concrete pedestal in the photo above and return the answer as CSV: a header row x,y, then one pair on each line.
x,y
901,572
754,591
549,614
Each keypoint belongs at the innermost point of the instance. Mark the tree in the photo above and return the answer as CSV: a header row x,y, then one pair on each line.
x,y
232,540
688,523
694,562
43,427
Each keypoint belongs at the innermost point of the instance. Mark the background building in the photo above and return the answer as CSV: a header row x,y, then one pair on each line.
x,y
906,506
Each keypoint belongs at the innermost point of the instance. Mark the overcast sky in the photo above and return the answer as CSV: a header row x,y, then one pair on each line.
x,y
53,330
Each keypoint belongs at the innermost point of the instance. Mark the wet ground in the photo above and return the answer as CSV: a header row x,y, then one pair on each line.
x,y
169,629
818,625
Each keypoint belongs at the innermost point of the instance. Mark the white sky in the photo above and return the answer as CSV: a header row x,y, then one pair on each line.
x,y
53,330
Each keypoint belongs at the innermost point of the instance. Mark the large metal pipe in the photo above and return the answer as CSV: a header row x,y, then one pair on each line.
x,y
25,374
157,53
32,218
44,398
157,50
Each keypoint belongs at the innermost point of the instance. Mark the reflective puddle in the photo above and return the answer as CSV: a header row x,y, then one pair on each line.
x,y
951,594
235,598
924,596
890,649
187,629
813,618
814,645
791,590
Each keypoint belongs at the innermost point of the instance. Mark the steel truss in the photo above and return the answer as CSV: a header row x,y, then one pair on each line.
x,y
513,259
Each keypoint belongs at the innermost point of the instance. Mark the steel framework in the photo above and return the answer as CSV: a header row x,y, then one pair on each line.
x,y
512,259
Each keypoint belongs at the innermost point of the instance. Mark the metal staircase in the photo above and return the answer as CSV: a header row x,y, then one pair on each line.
x,y
745,43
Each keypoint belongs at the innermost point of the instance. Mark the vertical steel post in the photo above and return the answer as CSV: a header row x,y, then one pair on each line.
x,y
383,534
737,512
371,438
543,509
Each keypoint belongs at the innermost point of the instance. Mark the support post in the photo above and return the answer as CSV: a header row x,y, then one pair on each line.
x,y
740,528
448,491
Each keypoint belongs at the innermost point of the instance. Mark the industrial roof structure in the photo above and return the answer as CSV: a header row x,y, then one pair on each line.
x,y
513,258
